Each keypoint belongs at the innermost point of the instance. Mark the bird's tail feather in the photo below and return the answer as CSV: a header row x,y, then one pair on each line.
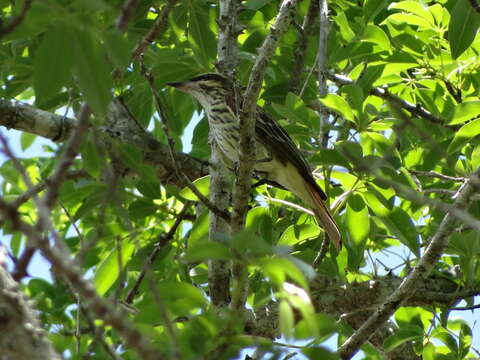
x,y
323,215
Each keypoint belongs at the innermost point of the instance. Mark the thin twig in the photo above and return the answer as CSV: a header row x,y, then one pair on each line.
x,y
37,188
439,191
164,239
69,152
125,15
288,203
415,109
437,175
22,264
17,20
465,308
157,28
304,33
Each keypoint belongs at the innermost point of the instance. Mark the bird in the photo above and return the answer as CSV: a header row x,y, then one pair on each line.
x,y
278,160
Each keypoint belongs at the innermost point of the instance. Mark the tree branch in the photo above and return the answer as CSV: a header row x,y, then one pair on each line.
x,y
159,26
304,33
410,284
437,175
163,240
17,20
220,179
119,126
66,160
414,109
125,14
247,151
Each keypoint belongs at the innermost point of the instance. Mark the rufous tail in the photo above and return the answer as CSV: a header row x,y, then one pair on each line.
x,y
326,219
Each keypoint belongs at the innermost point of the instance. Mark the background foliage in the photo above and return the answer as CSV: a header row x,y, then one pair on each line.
x,y
425,53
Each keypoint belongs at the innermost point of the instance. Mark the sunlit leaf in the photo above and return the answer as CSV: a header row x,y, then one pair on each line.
x,y
463,27
338,104
464,112
466,132
201,184
109,269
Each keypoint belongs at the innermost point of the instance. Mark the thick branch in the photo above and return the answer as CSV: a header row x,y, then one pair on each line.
x,y
410,284
120,126
334,297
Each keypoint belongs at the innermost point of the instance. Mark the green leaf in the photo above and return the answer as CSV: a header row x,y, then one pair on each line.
x,y
326,326
296,233
410,19
344,27
401,226
109,269
462,136
319,352
376,35
371,8
200,35
287,319
202,184
117,48
369,76
92,70
401,336
53,62
26,140
174,292
91,159
358,219
142,208
339,105
415,8
207,250
277,270
447,338
463,27
149,189
464,112
199,230
131,156
465,339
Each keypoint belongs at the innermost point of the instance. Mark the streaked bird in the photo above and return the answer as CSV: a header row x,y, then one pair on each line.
x,y
278,160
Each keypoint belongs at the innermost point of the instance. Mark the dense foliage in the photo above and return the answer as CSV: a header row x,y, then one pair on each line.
x,y
400,142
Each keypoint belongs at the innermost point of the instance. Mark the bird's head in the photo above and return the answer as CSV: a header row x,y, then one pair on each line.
x,y
206,88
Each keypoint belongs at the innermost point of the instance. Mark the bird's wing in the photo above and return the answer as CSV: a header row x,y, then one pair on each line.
x,y
277,140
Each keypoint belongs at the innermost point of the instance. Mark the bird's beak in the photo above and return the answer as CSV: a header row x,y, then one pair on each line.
x,y
182,85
